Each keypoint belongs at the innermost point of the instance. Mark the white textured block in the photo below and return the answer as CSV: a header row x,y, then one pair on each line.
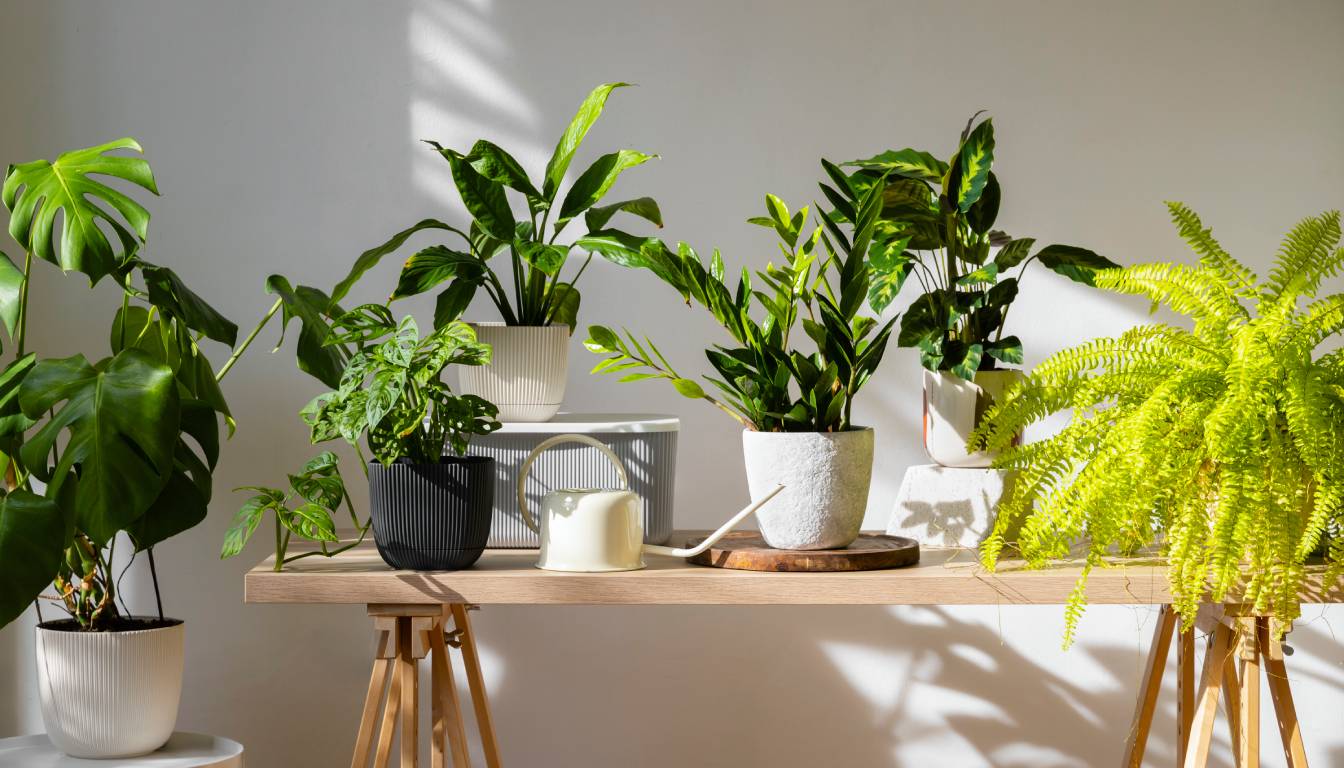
x,y
947,506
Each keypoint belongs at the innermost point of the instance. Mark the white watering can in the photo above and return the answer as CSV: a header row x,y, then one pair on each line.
x,y
590,530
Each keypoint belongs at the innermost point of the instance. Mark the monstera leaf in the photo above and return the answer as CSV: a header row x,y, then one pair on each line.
x,y
33,534
35,192
123,420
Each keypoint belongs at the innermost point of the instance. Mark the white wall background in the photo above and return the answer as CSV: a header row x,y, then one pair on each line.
x,y
284,137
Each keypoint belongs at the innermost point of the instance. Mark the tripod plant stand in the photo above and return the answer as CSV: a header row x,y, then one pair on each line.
x,y
1240,644
404,634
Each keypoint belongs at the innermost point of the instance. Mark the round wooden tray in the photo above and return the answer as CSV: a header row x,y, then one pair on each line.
x,y
746,551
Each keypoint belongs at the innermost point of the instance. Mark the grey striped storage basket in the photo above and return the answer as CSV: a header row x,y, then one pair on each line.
x,y
645,443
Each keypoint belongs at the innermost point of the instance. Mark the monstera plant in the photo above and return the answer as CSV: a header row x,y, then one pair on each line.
x,y
114,452
1221,439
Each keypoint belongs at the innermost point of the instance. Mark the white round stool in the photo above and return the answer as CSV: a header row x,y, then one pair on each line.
x,y
183,750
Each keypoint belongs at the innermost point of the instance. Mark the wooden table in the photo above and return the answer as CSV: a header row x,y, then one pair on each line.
x,y
412,611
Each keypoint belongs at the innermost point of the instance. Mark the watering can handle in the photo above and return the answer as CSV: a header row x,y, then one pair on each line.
x,y
551,442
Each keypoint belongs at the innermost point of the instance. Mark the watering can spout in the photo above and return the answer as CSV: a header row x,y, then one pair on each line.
x,y
714,537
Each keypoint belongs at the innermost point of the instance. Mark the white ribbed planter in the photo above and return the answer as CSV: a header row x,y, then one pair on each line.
x,y
109,694
526,374
953,408
826,477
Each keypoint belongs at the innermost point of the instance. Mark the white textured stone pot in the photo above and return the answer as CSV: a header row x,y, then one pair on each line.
x,y
526,374
953,408
109,694
825,477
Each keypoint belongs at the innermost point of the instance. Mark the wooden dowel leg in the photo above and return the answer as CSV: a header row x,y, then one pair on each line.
x,y
373,701
1276,675
389,725
1248,722
476,682
447,700
1185,691
1232,703
1152,686
1206,704
410,690
436,662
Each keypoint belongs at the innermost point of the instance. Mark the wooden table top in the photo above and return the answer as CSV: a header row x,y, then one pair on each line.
x,y
507,576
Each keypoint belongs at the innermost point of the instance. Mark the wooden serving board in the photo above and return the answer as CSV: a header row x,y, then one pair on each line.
x,y
747,551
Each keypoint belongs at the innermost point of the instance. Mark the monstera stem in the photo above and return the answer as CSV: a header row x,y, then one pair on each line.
x,y
237,353
23,302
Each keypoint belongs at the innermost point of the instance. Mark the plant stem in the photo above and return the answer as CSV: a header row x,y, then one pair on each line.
x,y
23,302
279,547
154,575
248,341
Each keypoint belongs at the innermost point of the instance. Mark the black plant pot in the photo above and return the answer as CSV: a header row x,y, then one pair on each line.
x,y
432,517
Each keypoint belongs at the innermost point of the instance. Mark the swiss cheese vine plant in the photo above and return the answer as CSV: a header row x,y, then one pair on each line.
x,y
1223,442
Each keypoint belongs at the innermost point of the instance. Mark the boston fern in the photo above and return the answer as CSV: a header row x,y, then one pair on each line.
x,y
936,223
535,294
1224,441
763,381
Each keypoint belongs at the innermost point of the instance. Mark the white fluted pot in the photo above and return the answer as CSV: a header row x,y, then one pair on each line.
x,y
526,375
954,407
109,694
825,475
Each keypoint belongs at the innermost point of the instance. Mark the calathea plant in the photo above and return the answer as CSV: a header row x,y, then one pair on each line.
x,y
535,292
122,445
1222,441
937,223
763,380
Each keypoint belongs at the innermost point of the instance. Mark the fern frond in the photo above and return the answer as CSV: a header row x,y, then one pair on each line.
x,y
1239,279
1196,293
1304,260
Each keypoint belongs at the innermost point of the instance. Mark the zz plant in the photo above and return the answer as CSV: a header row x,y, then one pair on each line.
x,y
1223,441
535,292
763,381
937,223
120,448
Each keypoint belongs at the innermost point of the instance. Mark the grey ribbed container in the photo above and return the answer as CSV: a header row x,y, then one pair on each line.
x,y
432,517
645,443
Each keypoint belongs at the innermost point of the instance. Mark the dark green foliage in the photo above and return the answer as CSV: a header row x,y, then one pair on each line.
x,y
763,380
484,177
936,222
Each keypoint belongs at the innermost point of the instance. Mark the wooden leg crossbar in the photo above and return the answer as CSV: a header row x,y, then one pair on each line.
x,y
1239,647
404,635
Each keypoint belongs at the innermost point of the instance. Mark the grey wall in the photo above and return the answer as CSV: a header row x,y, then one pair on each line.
x,y
284,136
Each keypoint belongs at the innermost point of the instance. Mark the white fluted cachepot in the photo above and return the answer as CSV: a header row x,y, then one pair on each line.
x,y
109,694
526,375
825,475
954,407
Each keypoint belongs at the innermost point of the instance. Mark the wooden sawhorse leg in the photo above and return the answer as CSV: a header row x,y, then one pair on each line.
x,y
404,634
1241,644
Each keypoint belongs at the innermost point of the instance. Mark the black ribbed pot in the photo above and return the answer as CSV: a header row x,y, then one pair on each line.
x,y
432,517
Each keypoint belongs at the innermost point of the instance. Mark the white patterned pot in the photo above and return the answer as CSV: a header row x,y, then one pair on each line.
x,y
109,694
825,477
954,407
526,375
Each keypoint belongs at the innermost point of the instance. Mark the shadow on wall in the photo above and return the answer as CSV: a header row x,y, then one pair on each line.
x,y
894,687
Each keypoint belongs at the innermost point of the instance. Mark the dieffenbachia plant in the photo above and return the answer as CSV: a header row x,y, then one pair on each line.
x,y
122,445
937,223
1222,441
763,380
535,292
